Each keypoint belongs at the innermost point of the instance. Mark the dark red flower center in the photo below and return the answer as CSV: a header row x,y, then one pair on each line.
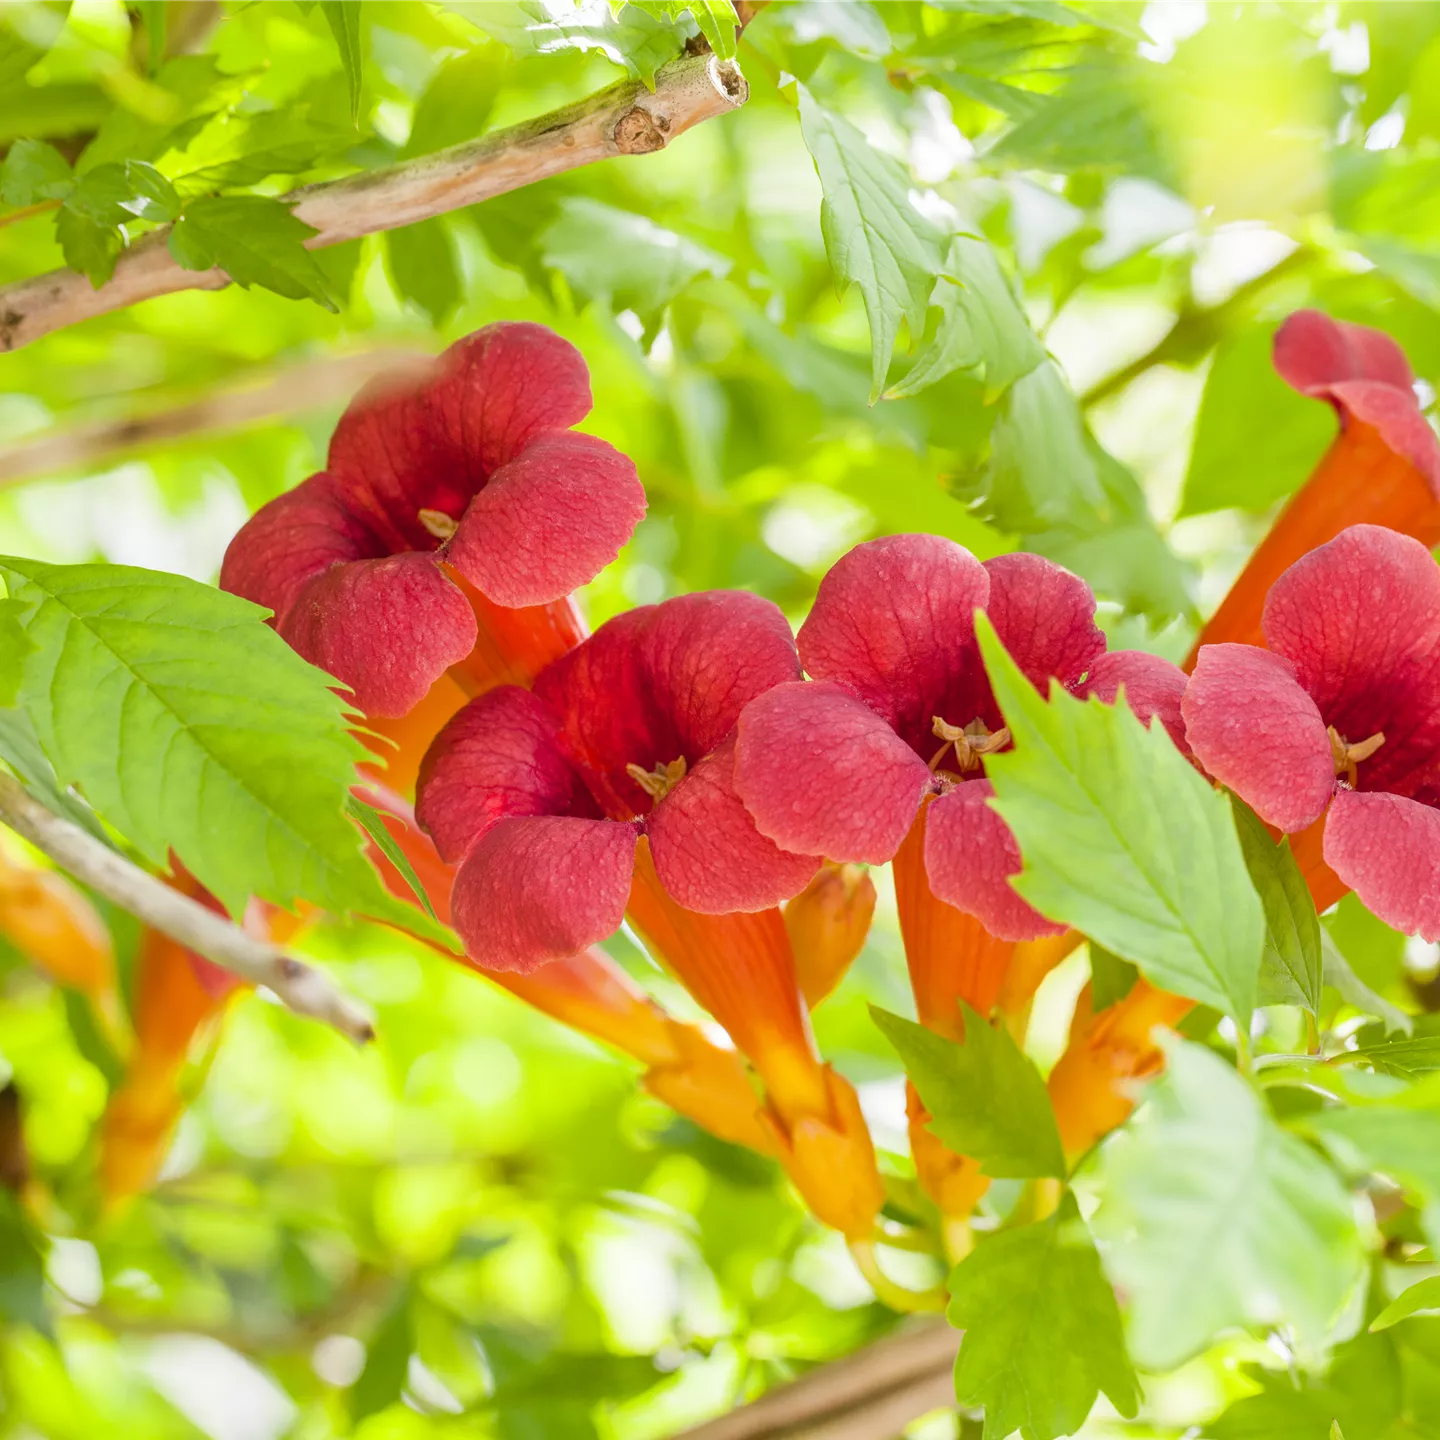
x,y
972,743
1347,757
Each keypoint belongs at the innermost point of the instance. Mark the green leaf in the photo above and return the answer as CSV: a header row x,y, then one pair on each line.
x,y
88,246
423,268
875,238
1290,969
373,823
1216,1217
716,19
1123,839
639,42
458,100
985,1097
1338,973
982,327
21,751
15,645
274,142
122,191
625,260
190,725
1042,1330
254,240
22,1264
33,172
1111,978
1420,1297
343,18
387,1361
1256,440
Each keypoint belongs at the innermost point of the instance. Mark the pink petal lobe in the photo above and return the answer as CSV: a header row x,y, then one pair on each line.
x,y
823,774
294,537
387,628
707,851
1387,849
538,889
1153,687
548,521
1045,617
402,448
497,757
970,855
892,622
1254,729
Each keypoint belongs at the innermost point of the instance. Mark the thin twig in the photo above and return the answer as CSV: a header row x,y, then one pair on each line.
x,y
301,987
324,381
870,1395
625,119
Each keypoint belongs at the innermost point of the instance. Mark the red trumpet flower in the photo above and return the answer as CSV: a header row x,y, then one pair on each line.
x,y
543,796
839,765
1340,717
473,476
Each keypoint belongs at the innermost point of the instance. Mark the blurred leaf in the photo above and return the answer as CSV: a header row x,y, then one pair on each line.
x,y
1417,1053
1354,991
634,39
387,1361
1423,1295
1218,1217
1256,440
874,236
1041,1330
343,18
423,268
153,14
32,172
191,726
716,19
1290,970
254,240
458,100
88,246
273,142
1124,840
985,1097
22,1266
1111,978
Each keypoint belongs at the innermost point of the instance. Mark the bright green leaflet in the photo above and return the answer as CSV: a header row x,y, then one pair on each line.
x,y
1042,1330
985,1097
190,725
1215,1216
1111,978
716,19
32,172
373,823
343,18
1124,840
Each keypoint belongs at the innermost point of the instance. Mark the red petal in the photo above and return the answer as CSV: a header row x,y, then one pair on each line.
x,y
970,855
549,521
387,628
1363,373
892,622
533,890
1387,849
398,450
707,851
1152,687
294,537
662,682
1254,729
1045,617
496,757
1359,619
823,774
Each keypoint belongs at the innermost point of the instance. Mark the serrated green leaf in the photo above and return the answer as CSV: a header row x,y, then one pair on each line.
x,y
343,18
982,327
633,39
423,269
1123,840
373,823
1290,969
1215,1217
253,147
21,751
1042,1330
33,172
254,240
1111,978
122,191
191,726
715,19
88,246
15,645
1422,1296
985,1097
875,238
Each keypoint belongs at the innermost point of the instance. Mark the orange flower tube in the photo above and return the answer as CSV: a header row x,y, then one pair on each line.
x,y
51,922
827,923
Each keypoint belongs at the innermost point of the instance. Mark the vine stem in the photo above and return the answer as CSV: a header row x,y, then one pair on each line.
x,y
625,119
299,986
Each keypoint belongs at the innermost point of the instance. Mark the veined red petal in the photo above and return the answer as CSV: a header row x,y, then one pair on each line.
x,y
549,520
970,855
543,888
1045,618
707,851
497,757
891,622
823,774
1253,728
387,628
1153,687
1387,849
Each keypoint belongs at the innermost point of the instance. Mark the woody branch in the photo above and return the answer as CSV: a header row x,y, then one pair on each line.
x,y
625,119
299,986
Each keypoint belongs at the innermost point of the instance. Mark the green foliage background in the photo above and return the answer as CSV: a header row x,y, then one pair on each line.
x,y
477,1227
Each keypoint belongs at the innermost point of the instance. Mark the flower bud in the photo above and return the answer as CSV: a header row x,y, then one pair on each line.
x,y
827,923
51,923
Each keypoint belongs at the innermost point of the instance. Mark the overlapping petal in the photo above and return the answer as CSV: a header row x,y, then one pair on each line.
x,y
1153,689
1387,849
1045,618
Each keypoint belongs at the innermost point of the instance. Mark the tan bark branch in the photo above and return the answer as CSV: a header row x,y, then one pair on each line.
x,y
301,987
626,119
870,1395
326,381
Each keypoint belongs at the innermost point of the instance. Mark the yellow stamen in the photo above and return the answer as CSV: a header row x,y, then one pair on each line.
x,y
660,781
438,523
972,742
1347,757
